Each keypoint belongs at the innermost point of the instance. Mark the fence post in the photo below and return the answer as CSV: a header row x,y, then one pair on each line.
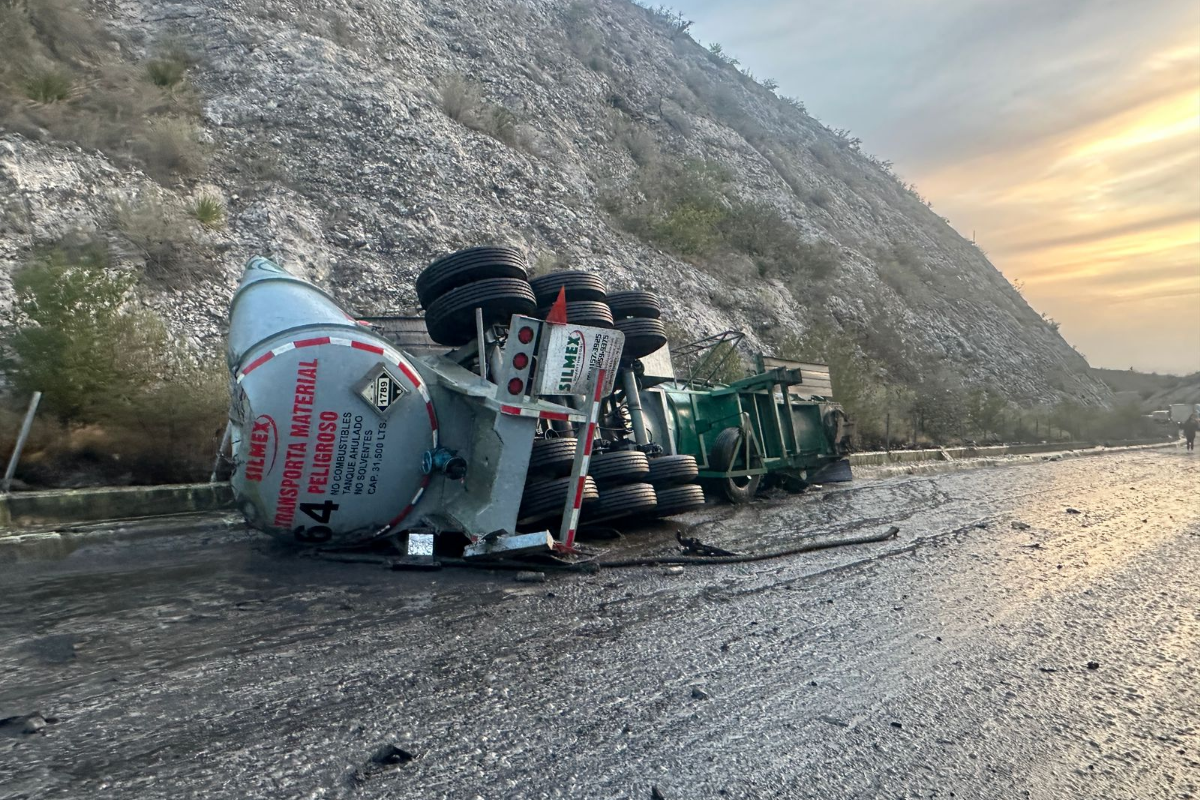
x,y
21,437
221,452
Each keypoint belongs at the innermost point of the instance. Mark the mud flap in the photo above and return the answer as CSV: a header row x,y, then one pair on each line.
x,y
837,472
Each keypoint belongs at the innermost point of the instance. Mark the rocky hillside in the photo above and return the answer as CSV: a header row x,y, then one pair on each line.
x,y
355,140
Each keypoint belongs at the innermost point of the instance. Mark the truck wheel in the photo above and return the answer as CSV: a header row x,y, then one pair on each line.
x,y
579,286
553,457
467,266
672,470
451,318
619,467
546,499
725,456
633,499
583,312
635,304
642,336
679,499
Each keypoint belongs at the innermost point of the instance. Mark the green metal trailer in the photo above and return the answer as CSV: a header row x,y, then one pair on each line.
x,y
779,425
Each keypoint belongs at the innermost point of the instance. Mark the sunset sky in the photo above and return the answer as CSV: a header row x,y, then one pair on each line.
x,y
1064,133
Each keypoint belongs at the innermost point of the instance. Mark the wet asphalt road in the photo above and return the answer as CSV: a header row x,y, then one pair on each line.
x,y
951,662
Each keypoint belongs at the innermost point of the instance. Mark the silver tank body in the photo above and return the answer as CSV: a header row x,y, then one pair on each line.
x,y
329,421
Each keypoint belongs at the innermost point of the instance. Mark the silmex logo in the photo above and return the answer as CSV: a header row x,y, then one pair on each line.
x,y
573,361
264,447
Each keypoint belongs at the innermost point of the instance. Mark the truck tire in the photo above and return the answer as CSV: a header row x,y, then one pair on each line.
x,y
679,499
579,286
467,266
723,457
672,470
619,467
633,499
545,500
451,318
583,312
552,457
635,303
642,336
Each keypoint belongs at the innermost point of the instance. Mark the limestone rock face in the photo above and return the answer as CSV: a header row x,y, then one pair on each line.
x,y
331,147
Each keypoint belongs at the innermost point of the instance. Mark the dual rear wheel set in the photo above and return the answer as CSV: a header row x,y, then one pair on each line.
x,y
621,484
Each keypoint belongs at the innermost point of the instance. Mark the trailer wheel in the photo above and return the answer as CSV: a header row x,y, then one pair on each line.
x,y
679,499
451,318
546,499
579,286
642,336
635,304
673,470
584,312
553,457
467,266
623,501
619,467
725,456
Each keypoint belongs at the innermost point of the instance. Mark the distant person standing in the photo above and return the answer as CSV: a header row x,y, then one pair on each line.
x,y
1189,430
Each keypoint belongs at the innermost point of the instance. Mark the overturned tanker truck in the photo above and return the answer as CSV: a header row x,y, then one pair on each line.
x,y
522,411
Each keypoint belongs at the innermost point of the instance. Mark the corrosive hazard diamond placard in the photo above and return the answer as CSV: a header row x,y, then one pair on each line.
x,y
381,389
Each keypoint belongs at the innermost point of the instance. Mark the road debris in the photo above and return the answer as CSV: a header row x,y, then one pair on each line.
x,y
391,756
25,725
699,694
696,547
673,570
1017,525
1073,511
529,576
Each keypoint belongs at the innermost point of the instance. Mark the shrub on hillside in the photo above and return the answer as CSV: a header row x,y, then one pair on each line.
x,y
170,148
162,235
462,101
48,86
169,66
209,211
70,311
684,207
129,402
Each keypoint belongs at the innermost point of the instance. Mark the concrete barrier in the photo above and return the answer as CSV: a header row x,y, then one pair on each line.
x,y
27,509
880,459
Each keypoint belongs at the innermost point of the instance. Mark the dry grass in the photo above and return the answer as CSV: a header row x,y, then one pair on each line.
x,y
162,235
462,100
170,147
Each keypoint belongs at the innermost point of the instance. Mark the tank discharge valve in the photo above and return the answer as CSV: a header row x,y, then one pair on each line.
x,y
444,460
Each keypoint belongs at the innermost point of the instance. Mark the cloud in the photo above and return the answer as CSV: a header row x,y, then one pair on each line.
x,y
1107,233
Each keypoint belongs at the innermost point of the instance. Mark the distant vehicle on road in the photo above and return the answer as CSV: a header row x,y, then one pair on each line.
x,y
1181,411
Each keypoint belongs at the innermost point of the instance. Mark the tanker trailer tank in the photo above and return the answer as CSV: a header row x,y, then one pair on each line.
x,y
340,438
